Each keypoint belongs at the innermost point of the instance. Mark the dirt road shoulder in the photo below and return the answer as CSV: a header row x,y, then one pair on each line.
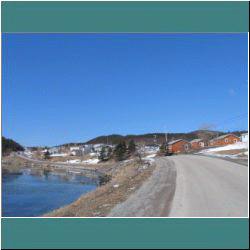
x,y
154,198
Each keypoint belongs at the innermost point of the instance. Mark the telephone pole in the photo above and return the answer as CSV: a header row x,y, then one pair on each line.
x,y
166,137
155,139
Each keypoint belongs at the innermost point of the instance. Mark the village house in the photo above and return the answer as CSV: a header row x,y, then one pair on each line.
x,y
244,137
179,146
87,148
198,143
224,140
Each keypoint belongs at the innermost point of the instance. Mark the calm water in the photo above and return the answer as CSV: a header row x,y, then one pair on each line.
x,y
35,193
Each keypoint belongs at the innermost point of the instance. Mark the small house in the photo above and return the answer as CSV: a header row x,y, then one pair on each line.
x,y
198,143
224,140
244,137
179,146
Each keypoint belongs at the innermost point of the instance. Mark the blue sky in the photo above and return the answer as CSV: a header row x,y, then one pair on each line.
x,y
59,88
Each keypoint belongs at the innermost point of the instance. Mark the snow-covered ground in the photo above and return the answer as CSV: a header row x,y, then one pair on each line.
x,y
74,161
93,154
91,161
149,158
236,146
78,161
62,155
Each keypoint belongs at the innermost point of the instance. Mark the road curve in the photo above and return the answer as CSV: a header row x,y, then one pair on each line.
x,y
190,186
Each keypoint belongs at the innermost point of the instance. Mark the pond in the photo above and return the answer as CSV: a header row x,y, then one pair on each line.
x,y
33,193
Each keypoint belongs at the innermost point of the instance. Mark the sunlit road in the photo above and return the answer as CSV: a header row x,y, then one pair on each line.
x,y
209,187
190,186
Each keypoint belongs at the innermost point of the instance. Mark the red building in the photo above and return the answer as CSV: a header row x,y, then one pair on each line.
x,y
198,143
224,140
179,146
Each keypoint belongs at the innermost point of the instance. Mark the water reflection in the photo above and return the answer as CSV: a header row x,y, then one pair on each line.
x,y
8,177
35,192
67,177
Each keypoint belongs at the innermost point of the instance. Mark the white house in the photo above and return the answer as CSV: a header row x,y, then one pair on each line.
x,y
74,148
244,137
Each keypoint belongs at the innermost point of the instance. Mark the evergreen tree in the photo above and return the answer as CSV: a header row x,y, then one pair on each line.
x,y
9,145
120,151
131,147
105,153
102,155
46,155
109,152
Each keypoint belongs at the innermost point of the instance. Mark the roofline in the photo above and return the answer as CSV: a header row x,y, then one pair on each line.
x,y
224,136
175,141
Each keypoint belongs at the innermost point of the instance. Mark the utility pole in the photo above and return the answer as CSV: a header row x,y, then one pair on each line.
x,y
155,139
166,137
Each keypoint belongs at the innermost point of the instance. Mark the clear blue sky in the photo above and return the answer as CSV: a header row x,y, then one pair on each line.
x,y
59,88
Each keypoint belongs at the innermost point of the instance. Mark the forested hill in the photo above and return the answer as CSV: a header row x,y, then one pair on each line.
x,y
156,137
9,145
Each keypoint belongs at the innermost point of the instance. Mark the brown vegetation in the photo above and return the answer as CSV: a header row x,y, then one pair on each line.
x,y
12,163
125,179
231,152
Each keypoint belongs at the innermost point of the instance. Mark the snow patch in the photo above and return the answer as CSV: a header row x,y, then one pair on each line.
x,y
150,156
74,161
91,161
63,155
238,145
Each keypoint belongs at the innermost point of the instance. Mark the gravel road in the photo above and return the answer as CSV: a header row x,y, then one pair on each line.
x,y
190,186
154,197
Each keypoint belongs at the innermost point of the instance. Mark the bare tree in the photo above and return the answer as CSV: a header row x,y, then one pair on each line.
x,y
140,152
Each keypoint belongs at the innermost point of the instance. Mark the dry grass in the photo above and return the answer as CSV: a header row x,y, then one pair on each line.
x,y
125,179
12,163
232,151
66,158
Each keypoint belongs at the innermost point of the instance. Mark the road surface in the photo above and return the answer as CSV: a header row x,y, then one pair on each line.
x,y
190,186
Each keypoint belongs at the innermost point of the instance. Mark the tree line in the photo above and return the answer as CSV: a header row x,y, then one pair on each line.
x,y
121,152
124,150
9,146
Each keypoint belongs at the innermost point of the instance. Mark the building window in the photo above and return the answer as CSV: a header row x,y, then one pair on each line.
x,y
226,140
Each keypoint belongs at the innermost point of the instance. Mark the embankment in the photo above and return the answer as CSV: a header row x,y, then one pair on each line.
x,y
126,178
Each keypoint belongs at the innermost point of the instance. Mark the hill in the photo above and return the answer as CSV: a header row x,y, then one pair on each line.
x,y
158,138
9,145
152,138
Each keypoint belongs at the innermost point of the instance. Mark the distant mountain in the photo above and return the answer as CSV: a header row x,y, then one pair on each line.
x,y
9,145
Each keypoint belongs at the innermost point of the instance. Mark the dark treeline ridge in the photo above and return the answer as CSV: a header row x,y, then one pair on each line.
x,y
9,145
152,138
159,138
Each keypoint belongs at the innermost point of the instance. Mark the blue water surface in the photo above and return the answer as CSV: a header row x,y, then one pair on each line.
x,y
28,195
